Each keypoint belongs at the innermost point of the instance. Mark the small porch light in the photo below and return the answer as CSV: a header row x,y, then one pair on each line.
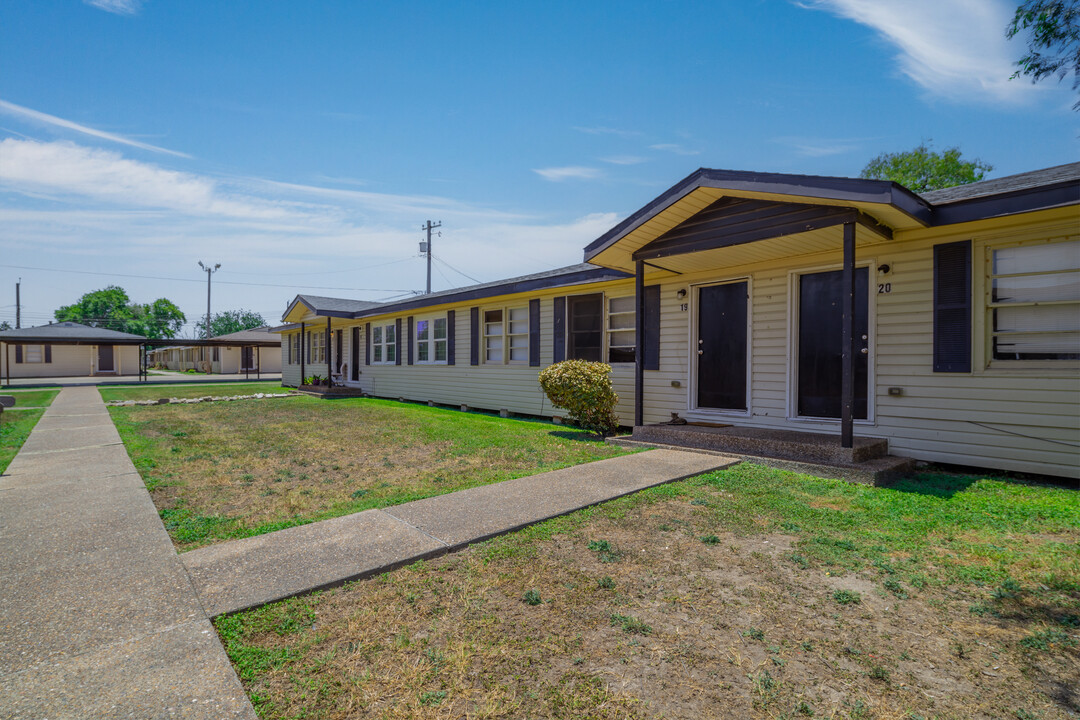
x,y
681,293
884,268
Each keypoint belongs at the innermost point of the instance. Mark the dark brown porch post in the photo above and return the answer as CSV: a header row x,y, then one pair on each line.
x,y
326,349
301,355
639,350
847,340
258,361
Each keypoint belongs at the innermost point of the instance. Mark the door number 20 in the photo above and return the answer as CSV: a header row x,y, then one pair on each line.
x,y
884,288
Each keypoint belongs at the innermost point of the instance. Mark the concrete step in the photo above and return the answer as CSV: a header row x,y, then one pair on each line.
x,y
875,471
788,444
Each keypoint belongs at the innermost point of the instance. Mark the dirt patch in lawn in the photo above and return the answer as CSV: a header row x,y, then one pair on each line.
x,y
654,606
225,470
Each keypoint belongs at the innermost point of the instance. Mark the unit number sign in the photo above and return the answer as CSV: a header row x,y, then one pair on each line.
x,y
884,288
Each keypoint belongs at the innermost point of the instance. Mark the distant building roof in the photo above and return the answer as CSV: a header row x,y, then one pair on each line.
x,y
1010,183
259,334
325,305
70,332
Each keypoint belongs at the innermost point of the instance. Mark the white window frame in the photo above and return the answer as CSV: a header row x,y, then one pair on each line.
x,y
509,342
610,330
382,346
40,349
317,355
431,343
989,306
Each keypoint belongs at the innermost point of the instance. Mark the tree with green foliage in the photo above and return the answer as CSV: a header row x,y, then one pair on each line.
x,y
5,325
111,308
229,321
922,169
1053,46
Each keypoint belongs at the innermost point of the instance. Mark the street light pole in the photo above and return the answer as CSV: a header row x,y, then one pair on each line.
x,y
209,271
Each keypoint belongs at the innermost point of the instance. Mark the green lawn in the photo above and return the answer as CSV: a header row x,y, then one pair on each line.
x,y
187,390
17,422
748,593
226,470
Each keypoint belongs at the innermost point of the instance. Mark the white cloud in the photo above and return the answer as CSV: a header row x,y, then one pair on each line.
x,y
12,109
819,147
953,48
120,7
570,172
623,160
674,148
601,130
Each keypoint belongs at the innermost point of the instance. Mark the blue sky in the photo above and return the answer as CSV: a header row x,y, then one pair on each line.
x,y
303,145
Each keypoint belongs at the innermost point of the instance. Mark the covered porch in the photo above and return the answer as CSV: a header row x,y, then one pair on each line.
x,y
716,229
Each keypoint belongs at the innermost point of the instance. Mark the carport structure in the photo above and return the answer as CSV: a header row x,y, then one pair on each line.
x,y
68,349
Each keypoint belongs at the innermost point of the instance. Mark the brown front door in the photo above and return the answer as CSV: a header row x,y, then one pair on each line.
x,y
247,358
105,358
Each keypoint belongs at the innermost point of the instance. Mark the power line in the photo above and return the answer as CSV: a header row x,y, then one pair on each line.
x,y
327,272
459,272
220,282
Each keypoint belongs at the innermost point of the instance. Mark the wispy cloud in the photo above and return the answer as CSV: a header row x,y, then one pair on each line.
x,y
674,148
570,172
120,7
819,147
953,49
623,159
601,130
11,109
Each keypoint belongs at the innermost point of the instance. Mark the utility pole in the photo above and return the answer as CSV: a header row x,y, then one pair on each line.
x,y
209,271
425,247
18,306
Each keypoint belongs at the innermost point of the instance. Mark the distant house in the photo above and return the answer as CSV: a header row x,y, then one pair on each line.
x,y
255,350
946,323
68,349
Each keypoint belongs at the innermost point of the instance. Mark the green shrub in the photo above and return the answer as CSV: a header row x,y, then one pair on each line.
x,y
584,390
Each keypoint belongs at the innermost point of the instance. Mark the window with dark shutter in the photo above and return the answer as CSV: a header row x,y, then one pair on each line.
x,y
952,307
585,327
367,343
397,341
410,341
451,337
474,336
48,353
534,333
558,324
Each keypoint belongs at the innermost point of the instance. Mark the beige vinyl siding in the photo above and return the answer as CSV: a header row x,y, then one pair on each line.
x,y
1015,419
70,361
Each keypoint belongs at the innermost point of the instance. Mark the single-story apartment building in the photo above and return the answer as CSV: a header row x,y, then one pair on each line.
x,y
256,350
947,323
68,349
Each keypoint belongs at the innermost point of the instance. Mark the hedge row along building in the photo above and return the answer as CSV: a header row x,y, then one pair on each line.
x,y
946,323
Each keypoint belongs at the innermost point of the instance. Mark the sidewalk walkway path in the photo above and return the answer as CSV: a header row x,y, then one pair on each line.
x,y
100,618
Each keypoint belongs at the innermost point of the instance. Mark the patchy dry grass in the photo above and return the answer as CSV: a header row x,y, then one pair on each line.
x,y
154,391
227,470
945,597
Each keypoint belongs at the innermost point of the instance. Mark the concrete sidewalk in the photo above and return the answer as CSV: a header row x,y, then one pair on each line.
x,y
253,571
98,618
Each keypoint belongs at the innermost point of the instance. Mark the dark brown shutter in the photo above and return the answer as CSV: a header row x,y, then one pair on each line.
x,y
354,354
397,341
367,343
474,336
18,353
451,333
952,307
558,325
48,353
409,342
534,333
651,341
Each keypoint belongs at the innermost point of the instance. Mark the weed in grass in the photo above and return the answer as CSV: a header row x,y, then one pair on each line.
x,y
799,560
894,586
1070,620
1008,590
605,551
532,597
1022,714
699,501
807,645
432,698
803,708
579,660
357,494
630,624
664,527
606,583
1044,639
754,634
878,672
710,540
847,597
